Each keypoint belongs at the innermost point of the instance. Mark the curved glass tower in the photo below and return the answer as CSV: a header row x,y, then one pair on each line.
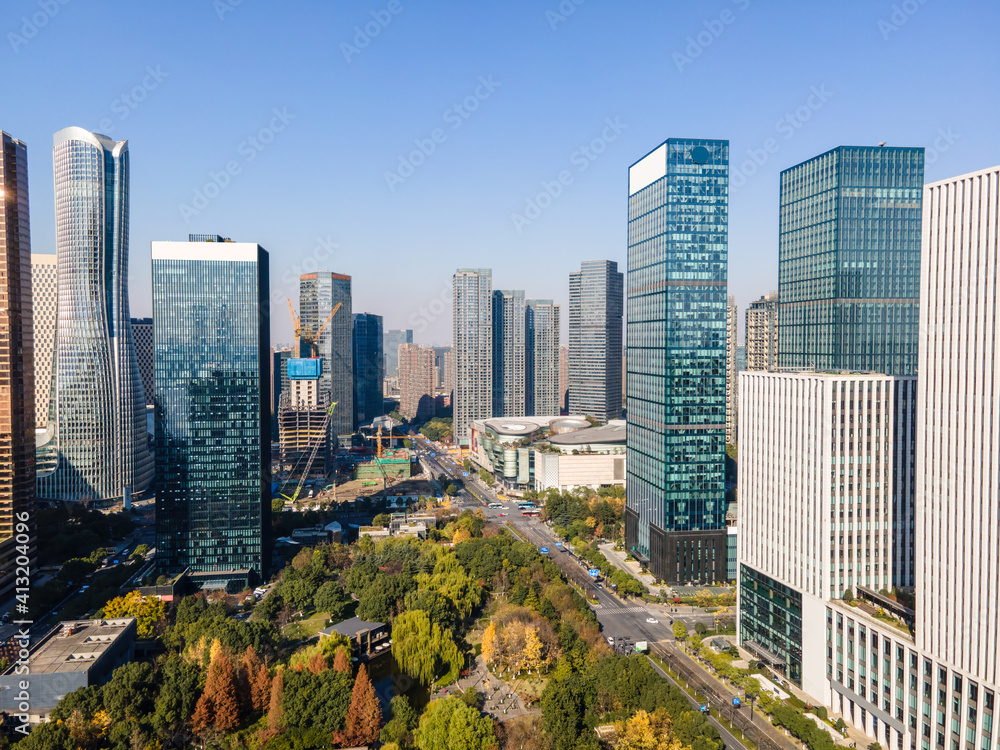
x,y
97,412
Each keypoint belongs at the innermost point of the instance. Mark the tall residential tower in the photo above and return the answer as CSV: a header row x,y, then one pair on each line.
x,y
678,219
541,343
472,344
508,353
595,340
761,332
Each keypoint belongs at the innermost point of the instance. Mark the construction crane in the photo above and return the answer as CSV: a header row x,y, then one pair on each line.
x,y
312,457
303,334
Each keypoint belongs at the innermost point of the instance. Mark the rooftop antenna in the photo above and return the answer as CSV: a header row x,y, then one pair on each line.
x,y
881,144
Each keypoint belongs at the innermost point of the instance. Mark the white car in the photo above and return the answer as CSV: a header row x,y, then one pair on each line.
x,y
652,620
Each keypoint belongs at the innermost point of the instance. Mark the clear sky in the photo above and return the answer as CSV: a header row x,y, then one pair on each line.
x,y
316,110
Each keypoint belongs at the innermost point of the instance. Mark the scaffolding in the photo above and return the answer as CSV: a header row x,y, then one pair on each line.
x,y
300,430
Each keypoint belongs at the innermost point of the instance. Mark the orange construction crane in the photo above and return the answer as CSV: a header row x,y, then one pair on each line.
x,y
306,334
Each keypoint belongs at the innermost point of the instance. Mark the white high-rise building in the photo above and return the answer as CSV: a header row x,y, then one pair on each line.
x,y
731,386
45,306
508,353
762,333
472,345
541,358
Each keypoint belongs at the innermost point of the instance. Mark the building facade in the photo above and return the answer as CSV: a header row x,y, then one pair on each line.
x,y
302,412
541,369
96,432
563,379
595,340
213,452
472,344
731,385
509,398
142,332
391,341
416,381
761,333
849,260
826,504
319,294
369,368
44,312
676,368
17,381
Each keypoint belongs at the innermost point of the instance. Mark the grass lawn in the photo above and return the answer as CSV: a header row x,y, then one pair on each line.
x,y
306,629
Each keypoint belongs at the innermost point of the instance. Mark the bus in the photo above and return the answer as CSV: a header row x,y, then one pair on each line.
x,y
525,506
530,513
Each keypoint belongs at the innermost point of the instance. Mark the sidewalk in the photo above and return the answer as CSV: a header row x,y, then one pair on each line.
x,y
617,558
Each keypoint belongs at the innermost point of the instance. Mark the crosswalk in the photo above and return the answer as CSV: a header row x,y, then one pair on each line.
x,y
636,609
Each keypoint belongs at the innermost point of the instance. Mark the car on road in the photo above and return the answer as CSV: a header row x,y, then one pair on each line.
x,y
652,620
501,515
600,585
611,641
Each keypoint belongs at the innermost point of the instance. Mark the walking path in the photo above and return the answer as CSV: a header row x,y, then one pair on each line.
x,y
501,700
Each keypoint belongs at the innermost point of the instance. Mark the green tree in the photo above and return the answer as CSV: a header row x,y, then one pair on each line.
x,y
140,552
700,628
450,724
402,722
319,700
421,648
680,630
562,713
175,702
331,598
382,519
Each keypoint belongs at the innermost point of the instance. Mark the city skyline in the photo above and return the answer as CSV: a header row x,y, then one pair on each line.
x,y
339,225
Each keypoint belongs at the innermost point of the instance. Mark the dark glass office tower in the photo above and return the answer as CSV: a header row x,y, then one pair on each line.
x,y
369,369
676,360
213,452
319,294
849,260
17,379
508,353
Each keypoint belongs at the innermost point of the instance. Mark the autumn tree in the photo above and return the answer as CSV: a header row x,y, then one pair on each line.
x,y
645,731
364,715
219,706
317,663
257,680
490,650
342,661
148,611
274,711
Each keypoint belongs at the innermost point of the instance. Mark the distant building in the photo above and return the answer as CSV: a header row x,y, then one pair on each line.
x,y
849,260
77,654
213,453
595,340
731,369
448,379
391,341
563,379
416,381
96,430
319,294
741,358
301,418
368,368
142,332
440,359
761,332
678,229
472,290
18,545
279,382
541,369
368,639
45,308
508,353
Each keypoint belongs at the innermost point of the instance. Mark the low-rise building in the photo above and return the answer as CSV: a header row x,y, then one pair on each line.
x,y
368,639
73,655
541,453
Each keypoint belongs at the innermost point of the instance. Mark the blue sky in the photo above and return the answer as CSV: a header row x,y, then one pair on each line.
x,y
398,140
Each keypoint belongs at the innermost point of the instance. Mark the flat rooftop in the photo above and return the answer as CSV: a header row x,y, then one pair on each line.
x,y
353,627
612,432
76,645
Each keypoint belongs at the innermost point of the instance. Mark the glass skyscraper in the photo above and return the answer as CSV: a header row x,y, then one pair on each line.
x,y
369,369
676,360
17,382
319,293
595,340
849,261
96,430
390,349
213,449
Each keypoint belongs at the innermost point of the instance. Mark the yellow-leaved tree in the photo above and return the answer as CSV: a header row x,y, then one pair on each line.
x,y
647,731
147,610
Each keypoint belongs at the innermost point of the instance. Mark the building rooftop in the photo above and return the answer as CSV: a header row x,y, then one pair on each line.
x,y
524,426
612,432
352,627
76,645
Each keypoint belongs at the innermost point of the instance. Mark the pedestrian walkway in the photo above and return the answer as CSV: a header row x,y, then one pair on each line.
x,y
499,697
617,558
